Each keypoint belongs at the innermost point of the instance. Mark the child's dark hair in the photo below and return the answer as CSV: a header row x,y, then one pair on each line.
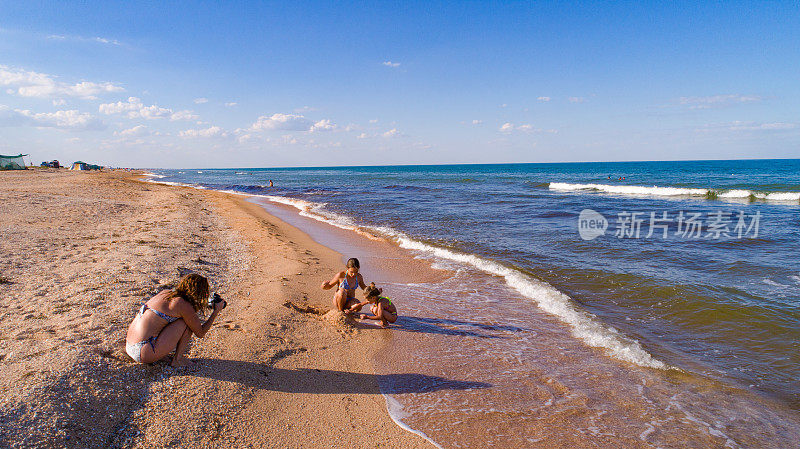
x,y
353,263
371,291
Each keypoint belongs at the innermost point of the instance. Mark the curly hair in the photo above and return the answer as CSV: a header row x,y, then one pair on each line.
x,y
193,288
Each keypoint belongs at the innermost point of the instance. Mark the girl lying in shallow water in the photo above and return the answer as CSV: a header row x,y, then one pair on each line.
x,y
382,307
167,321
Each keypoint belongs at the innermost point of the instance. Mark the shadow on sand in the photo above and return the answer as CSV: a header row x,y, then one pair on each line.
x,y
320,381
453,327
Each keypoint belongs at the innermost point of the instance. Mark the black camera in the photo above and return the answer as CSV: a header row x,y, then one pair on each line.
x,y
215,298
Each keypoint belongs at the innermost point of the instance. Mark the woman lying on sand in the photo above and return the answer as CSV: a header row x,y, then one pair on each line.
x,y
167,321
347,280
382,307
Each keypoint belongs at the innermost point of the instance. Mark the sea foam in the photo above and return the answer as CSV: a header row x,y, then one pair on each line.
x,y
397,414
676,191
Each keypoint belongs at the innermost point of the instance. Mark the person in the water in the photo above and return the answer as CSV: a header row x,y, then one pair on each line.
x,y
347,281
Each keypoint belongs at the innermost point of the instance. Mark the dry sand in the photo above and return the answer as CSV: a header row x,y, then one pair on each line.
x,y
80,251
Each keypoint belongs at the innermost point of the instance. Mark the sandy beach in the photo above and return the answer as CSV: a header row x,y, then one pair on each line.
x,y
82,250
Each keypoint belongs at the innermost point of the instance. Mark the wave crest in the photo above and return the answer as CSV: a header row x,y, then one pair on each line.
x,y
677,191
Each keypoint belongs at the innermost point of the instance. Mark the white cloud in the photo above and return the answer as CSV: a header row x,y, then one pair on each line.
x,y
183,115
392,133
71,119
291,122
750,126
323,125
134,108
374,120
200,100
285,122
718,101
41,85
543,98
99,40
576,99
508,128
391,64
245,138
210,132
59,102
104,40
230,104
477,122
136,131
362,136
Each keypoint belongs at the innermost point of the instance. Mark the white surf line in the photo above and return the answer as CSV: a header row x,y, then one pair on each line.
x,y
397,413
584,326
676,191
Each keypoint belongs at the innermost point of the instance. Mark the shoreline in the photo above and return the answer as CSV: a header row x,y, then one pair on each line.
x,y
695,385
262,367
265,365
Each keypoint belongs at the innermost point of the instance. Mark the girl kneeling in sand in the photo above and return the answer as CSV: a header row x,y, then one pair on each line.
x,y
382,307
167,321
347,281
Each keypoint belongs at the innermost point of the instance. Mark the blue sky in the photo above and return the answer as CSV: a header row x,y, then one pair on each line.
x,y
189,84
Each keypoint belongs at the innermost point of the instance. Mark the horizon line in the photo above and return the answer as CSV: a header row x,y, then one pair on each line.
x,y
465,164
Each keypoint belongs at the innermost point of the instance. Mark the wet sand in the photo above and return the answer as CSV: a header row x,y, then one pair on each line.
x,y
82,250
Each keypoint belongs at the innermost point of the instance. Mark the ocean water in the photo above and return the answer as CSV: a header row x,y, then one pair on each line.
x,y
679,269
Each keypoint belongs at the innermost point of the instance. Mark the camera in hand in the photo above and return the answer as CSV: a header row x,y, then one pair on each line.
x,y
215,298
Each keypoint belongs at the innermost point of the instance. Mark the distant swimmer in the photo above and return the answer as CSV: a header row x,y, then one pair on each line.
x,y
609,176
270,183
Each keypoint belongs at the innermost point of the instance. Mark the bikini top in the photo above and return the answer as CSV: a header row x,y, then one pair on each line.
x,y
345,285
168,318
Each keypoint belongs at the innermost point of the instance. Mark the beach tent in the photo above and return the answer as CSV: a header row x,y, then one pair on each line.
x,y
80,165
12,162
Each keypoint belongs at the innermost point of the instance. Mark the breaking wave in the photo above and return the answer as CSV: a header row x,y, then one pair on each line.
x,y
741,194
